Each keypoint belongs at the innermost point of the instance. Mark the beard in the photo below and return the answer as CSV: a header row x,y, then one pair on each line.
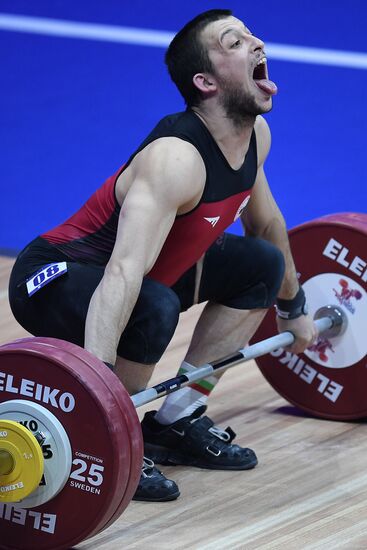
x,y
240,106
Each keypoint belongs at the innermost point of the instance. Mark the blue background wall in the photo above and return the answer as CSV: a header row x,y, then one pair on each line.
x,y
72,110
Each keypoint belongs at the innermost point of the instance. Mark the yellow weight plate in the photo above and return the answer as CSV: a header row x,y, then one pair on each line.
x,y
21,462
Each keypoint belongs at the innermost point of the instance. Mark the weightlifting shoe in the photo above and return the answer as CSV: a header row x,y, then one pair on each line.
x,y
194,441
154,486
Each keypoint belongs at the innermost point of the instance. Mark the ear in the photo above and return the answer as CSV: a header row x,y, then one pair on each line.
x,y
205,82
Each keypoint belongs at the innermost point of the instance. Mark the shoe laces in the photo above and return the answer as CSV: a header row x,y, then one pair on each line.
x,y
148,464
219,433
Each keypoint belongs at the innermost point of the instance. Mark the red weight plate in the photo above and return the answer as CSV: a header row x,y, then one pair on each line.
x,y
99,438
127,409
129,412
135,436
330,378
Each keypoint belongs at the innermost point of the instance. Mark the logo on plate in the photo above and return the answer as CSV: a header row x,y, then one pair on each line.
x,y
346,295
321,347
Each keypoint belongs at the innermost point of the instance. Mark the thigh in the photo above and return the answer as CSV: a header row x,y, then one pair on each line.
x,y
59,309
241,272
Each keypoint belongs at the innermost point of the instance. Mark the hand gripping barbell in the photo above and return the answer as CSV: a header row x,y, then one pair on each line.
x,y
86,426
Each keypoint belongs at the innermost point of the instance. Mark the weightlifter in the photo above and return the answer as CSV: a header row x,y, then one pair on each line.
x,y
150,243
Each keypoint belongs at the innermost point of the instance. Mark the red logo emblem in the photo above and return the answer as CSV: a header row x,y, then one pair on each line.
x,y
346,294
321,346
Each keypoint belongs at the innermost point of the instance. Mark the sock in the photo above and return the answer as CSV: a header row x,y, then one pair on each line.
x,y
185,401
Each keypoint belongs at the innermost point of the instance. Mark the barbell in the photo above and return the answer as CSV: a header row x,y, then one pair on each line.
x,y
70,440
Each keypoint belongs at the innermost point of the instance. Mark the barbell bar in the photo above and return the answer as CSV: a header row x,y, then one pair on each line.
x,y
333,324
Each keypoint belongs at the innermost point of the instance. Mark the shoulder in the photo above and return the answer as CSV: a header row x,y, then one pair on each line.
x,y
171,164
169,154
263,138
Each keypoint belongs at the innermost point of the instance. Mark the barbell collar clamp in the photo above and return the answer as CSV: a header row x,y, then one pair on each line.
x,y
339,318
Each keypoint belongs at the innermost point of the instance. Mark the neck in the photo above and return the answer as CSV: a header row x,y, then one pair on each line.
x,y
232,137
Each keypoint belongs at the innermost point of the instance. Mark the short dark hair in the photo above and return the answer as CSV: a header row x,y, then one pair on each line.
x,y
186,55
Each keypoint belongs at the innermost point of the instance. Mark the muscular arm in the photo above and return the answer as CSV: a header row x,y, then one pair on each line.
x,y
263,218
159,189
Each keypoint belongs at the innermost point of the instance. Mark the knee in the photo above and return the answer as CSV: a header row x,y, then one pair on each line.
x,y
273,272
151,326
161,323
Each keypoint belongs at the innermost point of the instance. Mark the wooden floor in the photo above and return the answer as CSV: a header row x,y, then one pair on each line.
x,y
309,490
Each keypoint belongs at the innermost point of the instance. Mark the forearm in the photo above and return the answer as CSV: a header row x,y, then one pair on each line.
x,y
108,314
276,233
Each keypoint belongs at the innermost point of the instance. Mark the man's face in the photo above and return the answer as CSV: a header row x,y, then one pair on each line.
x,y
240,68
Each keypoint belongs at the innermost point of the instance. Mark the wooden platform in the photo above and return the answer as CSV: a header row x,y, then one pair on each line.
x,y
309,491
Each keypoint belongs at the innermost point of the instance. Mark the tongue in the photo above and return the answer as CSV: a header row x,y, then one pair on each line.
x,y
267,86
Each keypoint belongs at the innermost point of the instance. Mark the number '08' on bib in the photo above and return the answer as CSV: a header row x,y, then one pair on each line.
x,y
45,276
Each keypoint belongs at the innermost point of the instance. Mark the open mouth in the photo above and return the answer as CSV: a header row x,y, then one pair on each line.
x,y
261,78
260,71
